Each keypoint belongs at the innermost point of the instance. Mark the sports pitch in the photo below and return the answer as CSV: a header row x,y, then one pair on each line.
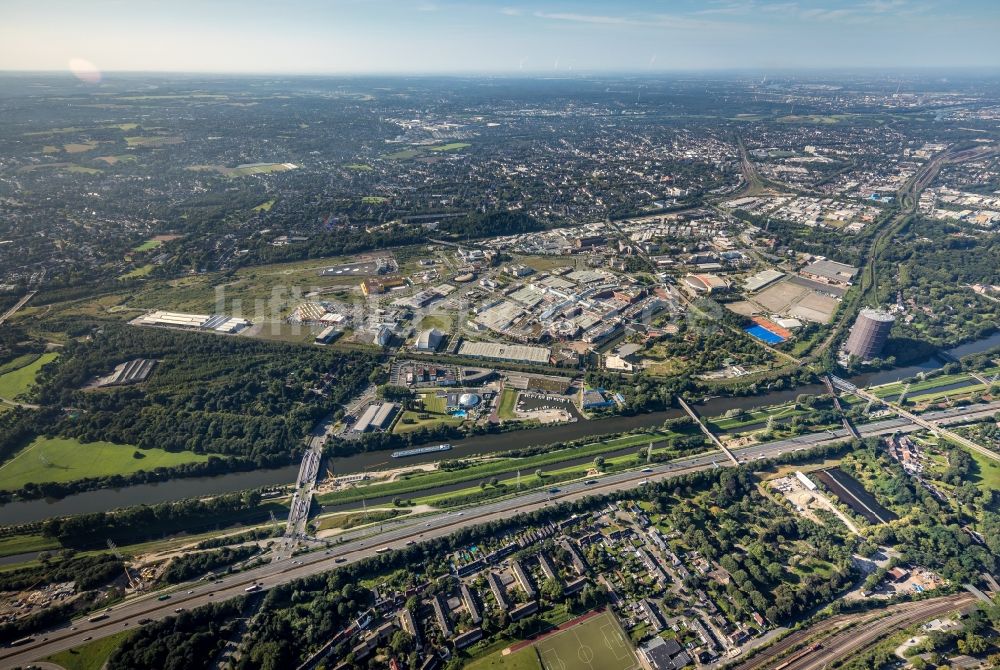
x,y
596,644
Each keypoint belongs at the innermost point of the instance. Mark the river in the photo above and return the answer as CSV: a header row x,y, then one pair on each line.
x,y
176,489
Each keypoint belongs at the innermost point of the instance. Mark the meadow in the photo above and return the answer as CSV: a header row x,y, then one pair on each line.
x,y
57,459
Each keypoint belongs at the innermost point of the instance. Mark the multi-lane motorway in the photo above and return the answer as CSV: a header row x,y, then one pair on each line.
x,y
400,534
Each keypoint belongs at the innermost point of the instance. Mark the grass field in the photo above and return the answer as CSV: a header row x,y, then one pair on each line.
x,y
16,382
417,422
155,141
113,160
90,656
79,147
373,199
403,155
141,271
18,363
348,520
265,206
359,167
523,659
433,403
149,245
596,644
439,321
65,459
507,403
987,473
23,544
451,146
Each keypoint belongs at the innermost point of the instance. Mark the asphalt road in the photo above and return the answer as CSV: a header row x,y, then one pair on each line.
x,y
398,535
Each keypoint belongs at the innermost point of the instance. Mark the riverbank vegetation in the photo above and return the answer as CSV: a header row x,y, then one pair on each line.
x,y
213,404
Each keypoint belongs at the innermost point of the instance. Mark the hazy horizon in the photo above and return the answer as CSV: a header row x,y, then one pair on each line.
x,y
364,37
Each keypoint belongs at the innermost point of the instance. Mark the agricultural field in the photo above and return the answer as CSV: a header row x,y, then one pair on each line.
x,y
18,381
153,141
451,146
245,169
79,147
65,459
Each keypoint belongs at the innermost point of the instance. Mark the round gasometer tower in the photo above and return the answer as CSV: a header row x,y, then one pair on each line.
x,y
869,333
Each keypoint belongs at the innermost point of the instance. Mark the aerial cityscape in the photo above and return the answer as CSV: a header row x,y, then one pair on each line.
x,y
491,336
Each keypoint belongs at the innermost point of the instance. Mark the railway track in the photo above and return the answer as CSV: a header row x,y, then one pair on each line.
x,y
844,635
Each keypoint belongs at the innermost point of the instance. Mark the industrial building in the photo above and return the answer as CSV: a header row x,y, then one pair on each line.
x,y
328,335
704,283
762,279
131,372
429,340
830,271
869,333
218,322
512,353
376,417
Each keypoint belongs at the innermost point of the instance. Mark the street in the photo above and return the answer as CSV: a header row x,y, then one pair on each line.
x,y
440,524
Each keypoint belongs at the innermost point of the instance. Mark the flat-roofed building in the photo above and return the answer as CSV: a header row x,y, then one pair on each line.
x,y
514,353
429,340
830,271
377,416
762,279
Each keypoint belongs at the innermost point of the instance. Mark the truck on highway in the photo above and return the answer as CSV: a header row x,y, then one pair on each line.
x,y
382,550
23,641
252,588
97,617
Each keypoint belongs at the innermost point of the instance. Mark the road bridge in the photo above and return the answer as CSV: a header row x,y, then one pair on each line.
x,y
920,421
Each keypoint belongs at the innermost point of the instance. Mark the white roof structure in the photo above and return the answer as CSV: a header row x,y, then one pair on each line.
x,y
429,340
762,279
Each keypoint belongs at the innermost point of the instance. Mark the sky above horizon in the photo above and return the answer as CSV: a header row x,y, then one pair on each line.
x,y
431,36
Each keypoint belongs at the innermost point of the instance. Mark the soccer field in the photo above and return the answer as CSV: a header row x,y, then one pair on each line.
x,y
596,644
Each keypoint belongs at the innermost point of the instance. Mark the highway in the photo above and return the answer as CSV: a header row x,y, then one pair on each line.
x,y
401,534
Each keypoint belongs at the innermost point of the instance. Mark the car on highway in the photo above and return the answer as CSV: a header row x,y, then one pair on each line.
x,y
178,609
340,559
143,621
590,482
646,470
409,542
554,489
165,596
